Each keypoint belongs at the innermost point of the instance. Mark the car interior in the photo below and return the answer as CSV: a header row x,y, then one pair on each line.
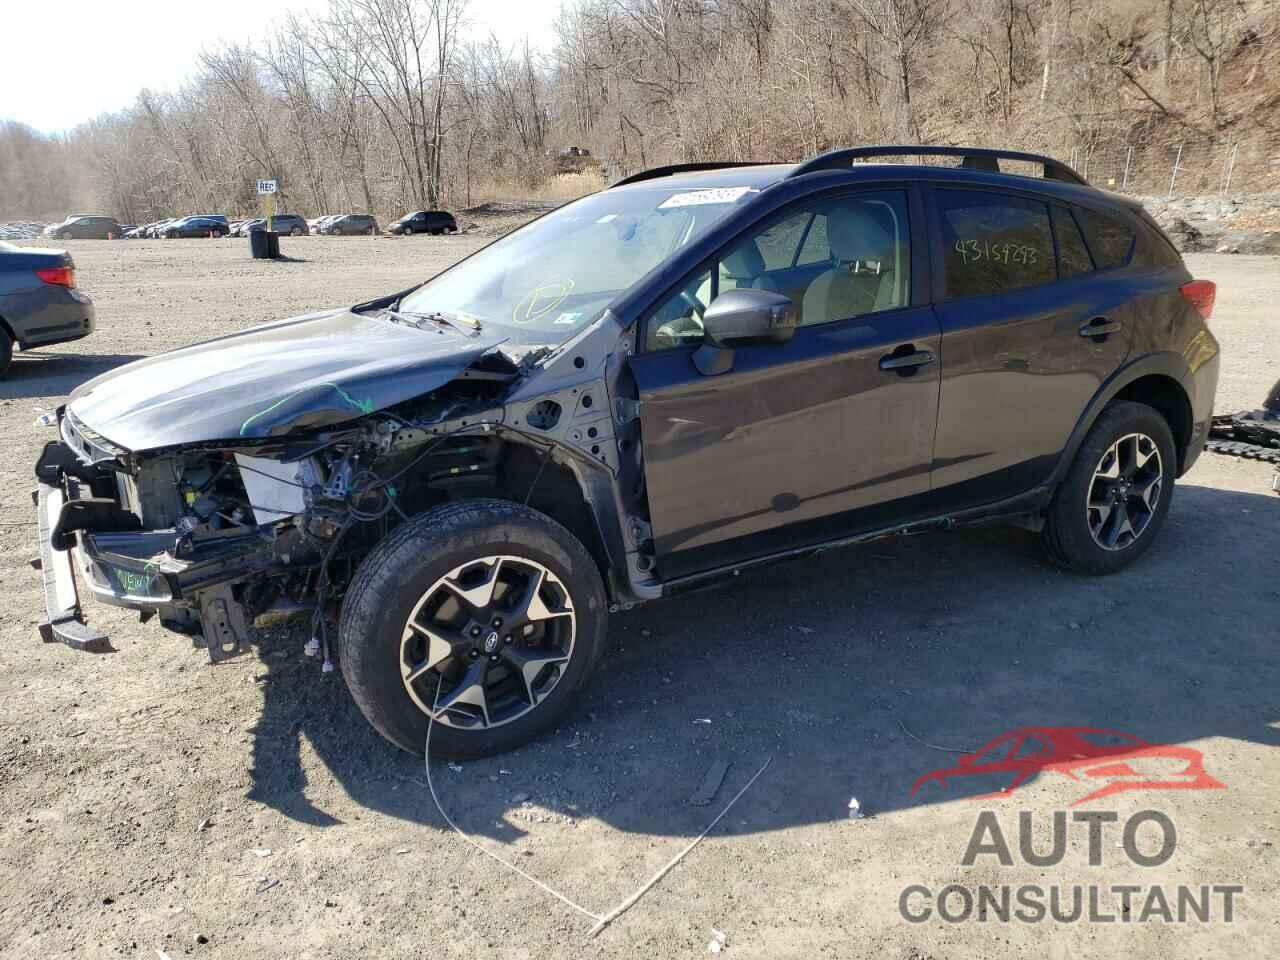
x,y
834,260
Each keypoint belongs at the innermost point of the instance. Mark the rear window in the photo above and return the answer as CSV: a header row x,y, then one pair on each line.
x,y
1073,255
994,243
1110,240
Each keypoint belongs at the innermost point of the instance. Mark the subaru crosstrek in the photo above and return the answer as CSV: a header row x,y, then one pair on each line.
x,y
700,369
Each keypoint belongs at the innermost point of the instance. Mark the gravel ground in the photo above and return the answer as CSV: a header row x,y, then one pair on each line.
x,y
150,802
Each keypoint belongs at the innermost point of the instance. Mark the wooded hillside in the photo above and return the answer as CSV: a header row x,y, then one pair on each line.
x,y
390,105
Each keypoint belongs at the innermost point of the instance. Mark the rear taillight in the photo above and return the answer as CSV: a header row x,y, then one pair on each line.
x,y
58,276
1200,294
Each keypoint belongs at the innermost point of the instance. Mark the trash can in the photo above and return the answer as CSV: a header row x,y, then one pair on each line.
x,y
264,245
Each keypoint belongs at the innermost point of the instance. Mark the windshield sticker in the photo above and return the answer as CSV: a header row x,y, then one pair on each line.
x,y
696,198
567,319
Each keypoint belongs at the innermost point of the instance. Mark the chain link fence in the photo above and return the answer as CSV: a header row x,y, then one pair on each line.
x,y
1189,167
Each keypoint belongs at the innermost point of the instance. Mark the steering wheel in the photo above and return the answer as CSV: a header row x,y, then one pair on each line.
x,y
698,307
685,328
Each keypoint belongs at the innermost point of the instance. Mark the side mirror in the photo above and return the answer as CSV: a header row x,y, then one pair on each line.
x,y
741,317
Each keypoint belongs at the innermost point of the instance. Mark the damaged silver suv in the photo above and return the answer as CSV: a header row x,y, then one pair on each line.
x,y
703,368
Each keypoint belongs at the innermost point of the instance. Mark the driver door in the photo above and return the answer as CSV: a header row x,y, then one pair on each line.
x,y
802,442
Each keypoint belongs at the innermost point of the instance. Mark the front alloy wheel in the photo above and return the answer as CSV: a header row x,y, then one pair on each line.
x,y
487,642
481,617
1125,491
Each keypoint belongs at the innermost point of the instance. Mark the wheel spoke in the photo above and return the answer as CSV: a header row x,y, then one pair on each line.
x,y
531,608
1109,468
530,663
1104,512
469,691
481,595
1149,492
1119,526
440,647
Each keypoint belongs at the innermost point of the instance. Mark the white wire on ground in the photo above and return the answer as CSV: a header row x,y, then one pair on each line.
x,y
625,905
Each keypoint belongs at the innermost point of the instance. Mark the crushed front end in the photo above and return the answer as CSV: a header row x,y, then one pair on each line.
x,y
196,537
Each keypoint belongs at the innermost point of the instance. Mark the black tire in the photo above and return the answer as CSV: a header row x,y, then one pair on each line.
x,y
6,352
295,232
65,235
404,567
1068,537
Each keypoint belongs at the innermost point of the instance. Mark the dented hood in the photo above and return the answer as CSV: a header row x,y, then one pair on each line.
x,y
311,371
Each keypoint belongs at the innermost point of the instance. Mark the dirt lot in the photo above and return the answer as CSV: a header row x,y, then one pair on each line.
x,y
141,790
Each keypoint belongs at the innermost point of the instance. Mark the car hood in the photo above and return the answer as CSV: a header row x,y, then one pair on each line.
x,y
311,371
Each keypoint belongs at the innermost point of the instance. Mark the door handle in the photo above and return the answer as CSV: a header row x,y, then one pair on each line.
x,y
1100,327
906,363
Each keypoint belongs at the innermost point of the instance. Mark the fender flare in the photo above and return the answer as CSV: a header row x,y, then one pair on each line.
x,y
1164,363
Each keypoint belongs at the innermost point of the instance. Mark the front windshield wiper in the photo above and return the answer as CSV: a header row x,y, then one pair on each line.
x,y
468,328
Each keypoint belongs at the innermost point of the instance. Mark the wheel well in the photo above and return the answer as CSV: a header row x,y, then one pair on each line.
x,y
525,474
1167,396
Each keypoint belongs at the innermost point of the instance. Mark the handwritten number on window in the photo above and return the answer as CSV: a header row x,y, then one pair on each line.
x,y
976,251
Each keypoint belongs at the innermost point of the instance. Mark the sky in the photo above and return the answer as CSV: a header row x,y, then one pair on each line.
x,y
94,56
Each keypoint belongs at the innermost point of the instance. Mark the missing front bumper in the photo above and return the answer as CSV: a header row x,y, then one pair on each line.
x,y
152,571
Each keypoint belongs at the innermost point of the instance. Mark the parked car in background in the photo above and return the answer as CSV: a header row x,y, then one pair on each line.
x,y
425,221
196,227
315,224
350,225
39,302
85,228
156,230
290,223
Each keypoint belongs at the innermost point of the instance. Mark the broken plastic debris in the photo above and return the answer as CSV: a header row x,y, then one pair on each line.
x,y
261,852
327,667
855,809
312,648
701,719
47,420
719,940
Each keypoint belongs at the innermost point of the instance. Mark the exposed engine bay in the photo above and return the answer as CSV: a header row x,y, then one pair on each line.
x,y
212,538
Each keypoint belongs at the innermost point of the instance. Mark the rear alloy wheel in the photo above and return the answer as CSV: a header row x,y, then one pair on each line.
x,y
295,232
1125,491
65,235
484,615
1116,494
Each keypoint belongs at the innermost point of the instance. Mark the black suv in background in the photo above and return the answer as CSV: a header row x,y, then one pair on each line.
x,y
86,228
425,221
703,368
349,225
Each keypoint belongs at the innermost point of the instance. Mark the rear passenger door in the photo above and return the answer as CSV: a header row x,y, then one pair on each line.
x,y
1030,330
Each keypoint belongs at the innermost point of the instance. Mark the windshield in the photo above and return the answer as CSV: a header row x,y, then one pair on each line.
x,y
547,280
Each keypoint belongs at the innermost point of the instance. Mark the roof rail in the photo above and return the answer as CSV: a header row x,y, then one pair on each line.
x,y
674,168
976,158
